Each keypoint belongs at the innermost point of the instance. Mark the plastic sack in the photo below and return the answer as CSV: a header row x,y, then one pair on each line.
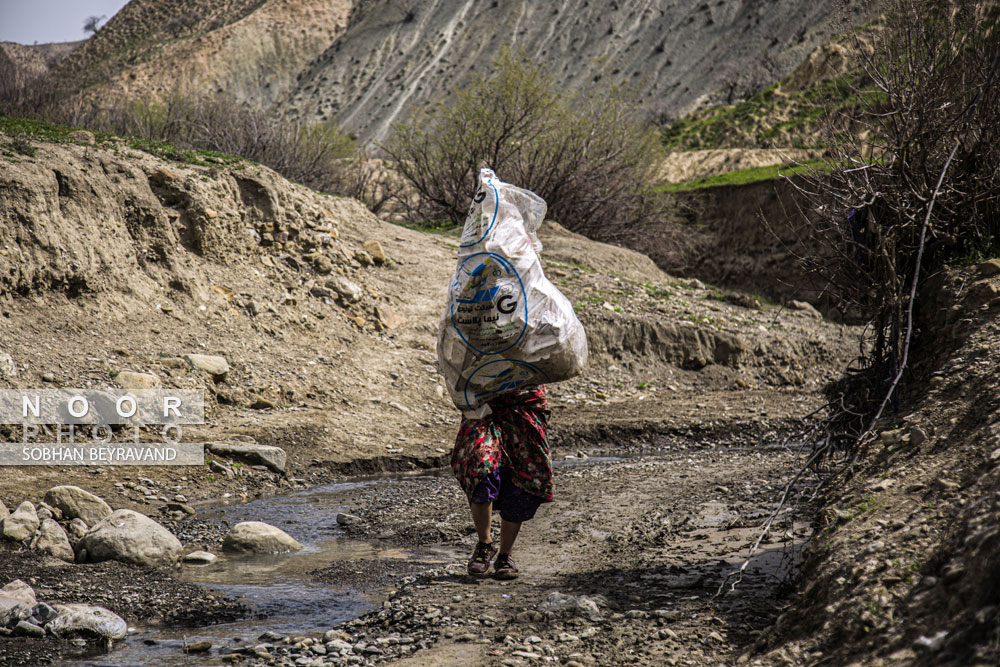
x,y
505,325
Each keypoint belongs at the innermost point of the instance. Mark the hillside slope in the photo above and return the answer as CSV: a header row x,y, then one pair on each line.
x,y
395,56
366,63
248,50
903,567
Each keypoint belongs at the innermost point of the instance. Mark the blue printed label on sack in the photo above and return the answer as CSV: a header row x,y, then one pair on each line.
x,y
500,375
482,215
488,305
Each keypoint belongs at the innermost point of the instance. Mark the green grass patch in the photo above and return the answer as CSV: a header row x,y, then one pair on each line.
x,y
744,176
40,130
772,117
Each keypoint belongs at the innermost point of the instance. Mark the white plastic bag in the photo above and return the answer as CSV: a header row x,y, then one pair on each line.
x,y
505,325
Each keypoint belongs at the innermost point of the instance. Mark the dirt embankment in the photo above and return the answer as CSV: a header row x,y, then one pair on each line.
x,y
748,238
903,569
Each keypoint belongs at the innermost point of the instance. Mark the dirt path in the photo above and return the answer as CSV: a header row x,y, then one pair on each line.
x,y
621,570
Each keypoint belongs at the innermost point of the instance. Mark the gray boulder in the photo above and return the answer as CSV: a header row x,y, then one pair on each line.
x,y
272,457
17,599
21,591
22,524
130,537
27,629
12,611
51,539
74,503
258,538
73,618
4,512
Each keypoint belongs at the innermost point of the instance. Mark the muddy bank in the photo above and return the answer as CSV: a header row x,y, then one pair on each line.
x,y
147,595
903,568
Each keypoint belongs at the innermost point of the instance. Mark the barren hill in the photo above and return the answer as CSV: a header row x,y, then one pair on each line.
x,y
677,54
250,50
367,63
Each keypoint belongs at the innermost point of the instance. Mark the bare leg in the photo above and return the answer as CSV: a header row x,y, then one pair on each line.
x,y
508,533
482,515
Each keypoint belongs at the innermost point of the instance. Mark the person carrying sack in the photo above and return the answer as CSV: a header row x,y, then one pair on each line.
x,y
505,332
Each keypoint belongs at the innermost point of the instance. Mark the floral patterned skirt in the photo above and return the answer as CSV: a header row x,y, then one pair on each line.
x,y
512,437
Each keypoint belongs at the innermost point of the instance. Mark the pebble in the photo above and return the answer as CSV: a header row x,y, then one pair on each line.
x,y
200,557
527,655
345,519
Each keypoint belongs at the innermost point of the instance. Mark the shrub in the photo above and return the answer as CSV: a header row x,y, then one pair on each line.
x,y
311,154
917,188
588,153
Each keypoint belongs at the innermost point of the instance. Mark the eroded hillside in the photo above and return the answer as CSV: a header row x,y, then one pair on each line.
x,y
366,64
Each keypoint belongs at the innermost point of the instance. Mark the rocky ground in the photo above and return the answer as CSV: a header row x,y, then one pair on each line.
x,y
117,266
623,568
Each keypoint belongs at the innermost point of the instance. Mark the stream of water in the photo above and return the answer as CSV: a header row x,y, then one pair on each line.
x,y
278,588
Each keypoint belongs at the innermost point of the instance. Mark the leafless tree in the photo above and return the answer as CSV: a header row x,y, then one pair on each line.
x,y
92,23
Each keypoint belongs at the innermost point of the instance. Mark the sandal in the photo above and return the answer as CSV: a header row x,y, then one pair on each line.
x,y
504,567
479,564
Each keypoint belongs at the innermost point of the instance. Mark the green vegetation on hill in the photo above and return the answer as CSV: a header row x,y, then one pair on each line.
x,y
754,175
774,117
23,129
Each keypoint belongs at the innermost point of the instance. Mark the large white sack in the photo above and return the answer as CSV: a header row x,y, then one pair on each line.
x,y
505,325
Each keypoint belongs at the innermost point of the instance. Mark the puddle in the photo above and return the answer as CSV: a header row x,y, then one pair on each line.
x,y
278,588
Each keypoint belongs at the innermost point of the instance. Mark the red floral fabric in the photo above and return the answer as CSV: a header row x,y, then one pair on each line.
x,y
514,437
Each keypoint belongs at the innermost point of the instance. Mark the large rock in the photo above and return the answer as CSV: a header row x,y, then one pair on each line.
x,y
259,538
12,611
51,539
17,599
345,289
272,457
20,591
4,512
132,538
74,503
215,366
133,380
22,524
74,618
